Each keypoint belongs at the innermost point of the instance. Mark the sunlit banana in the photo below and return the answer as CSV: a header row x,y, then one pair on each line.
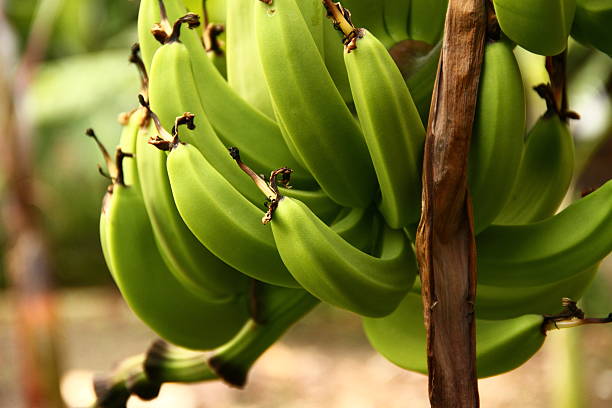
x,y
334,60
237,123
148,287
545,172
148,15
592,24
218,215
371,15
550,250
248,83
497,140
334,271
539,26
327,265
190,262
329,140
172,91
391,125
501,345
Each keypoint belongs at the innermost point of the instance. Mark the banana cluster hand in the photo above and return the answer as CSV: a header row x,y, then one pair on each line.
x,y
317,115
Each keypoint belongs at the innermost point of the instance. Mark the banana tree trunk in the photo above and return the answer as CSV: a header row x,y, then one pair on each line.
x,y
446,249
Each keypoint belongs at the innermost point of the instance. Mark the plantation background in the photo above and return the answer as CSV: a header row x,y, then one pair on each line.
x,y
325,361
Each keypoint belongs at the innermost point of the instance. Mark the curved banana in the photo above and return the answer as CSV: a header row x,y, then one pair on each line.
x,y
371,15
148,15
497,140
334,61
222,219
539,26
592,24
312,111
335,271
391,125
549,250
426,20
152,292
236,122
397,17
544,175
501,345
248,83
188,260
172,91
499,302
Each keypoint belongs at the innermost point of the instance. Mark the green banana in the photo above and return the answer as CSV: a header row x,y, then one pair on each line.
x,y
539,26
550,250
499,302
421,82
189,261
371,15
249,82
172,91
334,61
220,217
497,140
236,122
397,17
148,15
501,345
391,125
333,270
544,175
152,292
592,24
329,140
426,20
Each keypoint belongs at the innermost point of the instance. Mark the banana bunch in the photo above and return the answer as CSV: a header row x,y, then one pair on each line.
x,y
250,184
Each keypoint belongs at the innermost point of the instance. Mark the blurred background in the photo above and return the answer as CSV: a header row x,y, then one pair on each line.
x,y
64,68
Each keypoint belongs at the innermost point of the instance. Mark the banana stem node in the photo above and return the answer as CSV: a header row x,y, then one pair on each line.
x,y
341,18
570,316
280,176
136,59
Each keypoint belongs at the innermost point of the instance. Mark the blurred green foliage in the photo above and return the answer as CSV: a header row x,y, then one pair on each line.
x,y
84,81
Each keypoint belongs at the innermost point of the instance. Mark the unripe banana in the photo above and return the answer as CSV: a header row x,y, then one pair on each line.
x,y
336,272
172,91
551,250
397,17
391,125
249,83
188,260
592,24
222,219
152,292
497,140
371,15
328,139
426,21
539,26
544,175
501,345
502,302
237,123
